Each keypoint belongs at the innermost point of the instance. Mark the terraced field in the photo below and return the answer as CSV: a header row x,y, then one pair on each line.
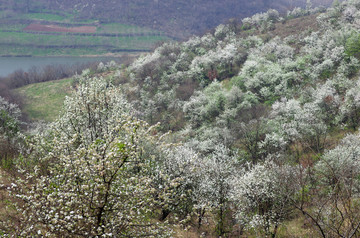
x,y
60,35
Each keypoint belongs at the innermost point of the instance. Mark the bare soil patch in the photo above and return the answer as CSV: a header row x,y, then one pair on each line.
x,y
295,26
55,28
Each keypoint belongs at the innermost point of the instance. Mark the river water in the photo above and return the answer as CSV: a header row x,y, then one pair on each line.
x,y
11,64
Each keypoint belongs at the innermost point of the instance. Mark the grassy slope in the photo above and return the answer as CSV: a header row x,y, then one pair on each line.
x,y
43,101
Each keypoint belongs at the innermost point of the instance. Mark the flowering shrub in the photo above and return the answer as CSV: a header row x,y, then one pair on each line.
x,y
9,128
263,196
9,119
90,178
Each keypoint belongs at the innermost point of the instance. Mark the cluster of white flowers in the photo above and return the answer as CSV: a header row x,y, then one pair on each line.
x,y
9,119
264,78
220,56
296,122
145,59
93,180
337,176
109,65
263,195
222,31
350,108
342,164
261,18
298,12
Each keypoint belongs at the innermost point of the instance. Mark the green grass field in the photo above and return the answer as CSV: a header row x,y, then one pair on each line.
x,y
44,101
14,40
51,45
123,29
46,17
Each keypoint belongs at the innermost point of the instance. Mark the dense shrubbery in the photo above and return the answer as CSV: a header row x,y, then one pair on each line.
x,y
264,130
270,101
9,130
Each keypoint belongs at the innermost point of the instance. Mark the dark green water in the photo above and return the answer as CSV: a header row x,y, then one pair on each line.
x,y
11,64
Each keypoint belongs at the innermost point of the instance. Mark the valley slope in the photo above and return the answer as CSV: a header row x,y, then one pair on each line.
x,y
250,130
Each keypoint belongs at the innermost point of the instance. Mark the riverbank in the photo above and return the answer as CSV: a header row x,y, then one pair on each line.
x,y
110,55
9,65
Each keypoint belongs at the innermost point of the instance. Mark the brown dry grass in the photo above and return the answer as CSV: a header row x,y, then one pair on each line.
x,y
6,210
301,25
295,26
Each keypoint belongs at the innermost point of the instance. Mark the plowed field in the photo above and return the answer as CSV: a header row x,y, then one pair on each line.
x,y
55,28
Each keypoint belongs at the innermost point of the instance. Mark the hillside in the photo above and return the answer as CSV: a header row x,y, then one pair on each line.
x,y
250,130
71,28
176,18
43,101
